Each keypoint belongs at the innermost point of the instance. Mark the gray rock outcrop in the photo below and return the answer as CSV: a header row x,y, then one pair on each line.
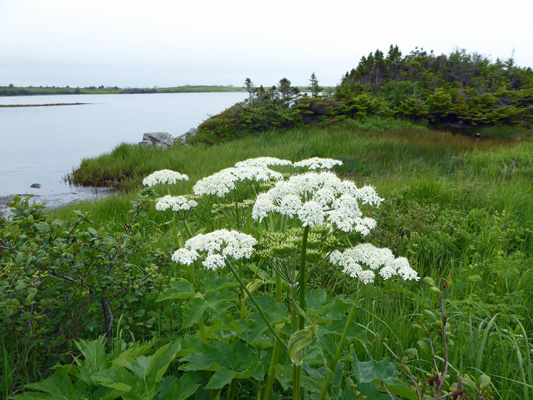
x,y
183,138
159,139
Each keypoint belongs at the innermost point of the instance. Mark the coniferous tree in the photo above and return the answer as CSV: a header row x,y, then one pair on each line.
x,y
314,87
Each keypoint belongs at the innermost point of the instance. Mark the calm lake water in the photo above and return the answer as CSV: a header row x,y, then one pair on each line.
x,y
44,144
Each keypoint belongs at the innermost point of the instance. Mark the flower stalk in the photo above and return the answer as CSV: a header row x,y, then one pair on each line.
x,y
257,306
302,282
340,346
275,352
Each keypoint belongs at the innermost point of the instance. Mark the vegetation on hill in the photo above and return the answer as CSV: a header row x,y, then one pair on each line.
x,y
460,91
445,90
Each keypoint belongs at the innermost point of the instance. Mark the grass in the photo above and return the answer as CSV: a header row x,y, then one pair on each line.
x,y
454,206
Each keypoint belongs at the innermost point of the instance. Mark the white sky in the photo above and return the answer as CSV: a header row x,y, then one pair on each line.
x,y
215,42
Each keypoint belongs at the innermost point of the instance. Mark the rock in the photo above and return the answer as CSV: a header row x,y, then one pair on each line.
x,y
159,139
36,186
183,138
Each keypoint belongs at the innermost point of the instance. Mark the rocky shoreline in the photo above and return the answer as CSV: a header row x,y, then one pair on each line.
x,y
58,199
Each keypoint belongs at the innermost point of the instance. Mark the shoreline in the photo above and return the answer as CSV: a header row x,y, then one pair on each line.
x,y
59,199
42,105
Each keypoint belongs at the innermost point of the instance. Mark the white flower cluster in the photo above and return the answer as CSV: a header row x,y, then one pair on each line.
x,y
319,198
316,163
164,176
216,247
175,203
262,162
223,182
375,258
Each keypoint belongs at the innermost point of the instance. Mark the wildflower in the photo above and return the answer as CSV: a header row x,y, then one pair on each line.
x,y
316,163
353,259
175,203
262,162
164,176
290,205
223,182
215,248
319,198
311,213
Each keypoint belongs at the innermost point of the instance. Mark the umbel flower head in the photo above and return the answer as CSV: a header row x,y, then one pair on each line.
x,y
319,198
175,203
215,248
223,182
164,176
262,162
379,261
317,163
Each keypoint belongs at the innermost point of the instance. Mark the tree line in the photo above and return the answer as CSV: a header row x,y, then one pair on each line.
x,y
457,91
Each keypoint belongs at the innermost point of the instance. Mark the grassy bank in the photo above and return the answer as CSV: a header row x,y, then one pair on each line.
x,y
457,207
368,148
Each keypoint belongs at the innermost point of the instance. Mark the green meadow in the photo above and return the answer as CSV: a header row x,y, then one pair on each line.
x,y
134,324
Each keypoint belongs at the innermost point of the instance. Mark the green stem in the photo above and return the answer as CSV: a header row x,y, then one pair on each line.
x,y
338,353
275,352
192,277
201,321
202,330
296,371
237,210
272,370
231,391
243,299
261,313
303,276
294,315
187,228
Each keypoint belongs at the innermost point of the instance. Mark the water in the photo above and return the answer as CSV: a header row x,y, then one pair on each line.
x,y
42,145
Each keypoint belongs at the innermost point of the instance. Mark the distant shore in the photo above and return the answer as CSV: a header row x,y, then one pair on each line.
x,y
42,105
53,90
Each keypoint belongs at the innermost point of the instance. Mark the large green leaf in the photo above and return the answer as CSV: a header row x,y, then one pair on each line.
x,y
213,282
116,378
179,289
404,392
315,299
58,386
371,391
220,379
94,357
125,358
368,371
218,302
162,359
239,360
257,331
182,388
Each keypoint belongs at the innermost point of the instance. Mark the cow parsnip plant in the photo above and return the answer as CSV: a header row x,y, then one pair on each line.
x,y
250,325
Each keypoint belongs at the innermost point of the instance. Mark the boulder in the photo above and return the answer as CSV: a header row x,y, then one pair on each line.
x,y
159,139
183,138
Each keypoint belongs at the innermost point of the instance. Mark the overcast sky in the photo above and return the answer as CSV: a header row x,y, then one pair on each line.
x,y
215,42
